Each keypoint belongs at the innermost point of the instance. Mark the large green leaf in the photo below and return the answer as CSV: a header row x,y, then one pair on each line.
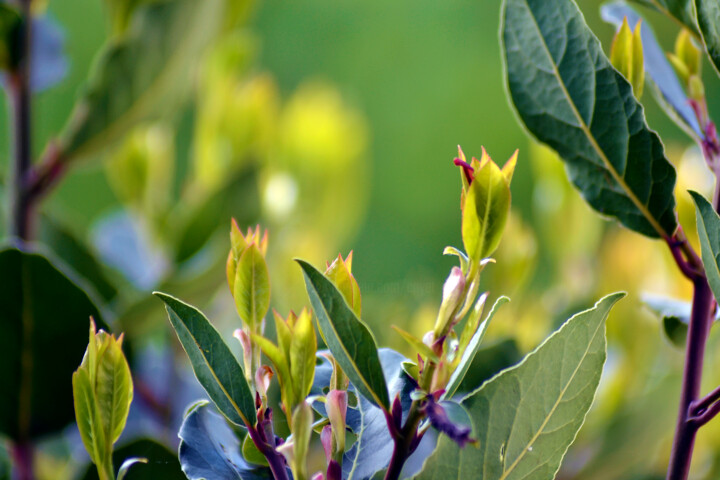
x,y
708,226
708,13
44,318
571,98
143,74
349,339
526,417
215,366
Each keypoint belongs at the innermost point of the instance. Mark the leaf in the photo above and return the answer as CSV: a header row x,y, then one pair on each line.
x,y
489,360
472,349
527,416
675,316
680,11
125,467
210,450
162,463
349,339
708,16
302,356
708,227
251,454
215,367
670,94
417,344
252,287
75,252
143,74
571,98
88,417
43,312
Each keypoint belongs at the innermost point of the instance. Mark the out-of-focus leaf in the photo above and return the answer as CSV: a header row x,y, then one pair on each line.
x,y
124,242
569,97
142,75
349,339
670,94
209,449
251,454
708,226
472,348
215,367
527,416
48,62
10,36
162,463
237,199
74,252
680,11
708,17
675,316
41,308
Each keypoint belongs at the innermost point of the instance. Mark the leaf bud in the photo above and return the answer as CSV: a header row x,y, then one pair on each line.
x,y
626,55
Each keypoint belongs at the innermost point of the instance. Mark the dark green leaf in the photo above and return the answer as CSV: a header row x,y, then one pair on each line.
x,y
142,75
708,226
210,450
162,462
215,367
708,13
571,98
670,94
527,416
44,318
349,339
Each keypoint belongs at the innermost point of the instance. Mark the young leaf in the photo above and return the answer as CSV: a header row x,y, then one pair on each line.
x,y
469,354
527,416
125,467
209,449
114,390
670,94
252,287
215,367
708,17
349,339
143,74
569,97
302,355
417,344
708,226
43,306
88,417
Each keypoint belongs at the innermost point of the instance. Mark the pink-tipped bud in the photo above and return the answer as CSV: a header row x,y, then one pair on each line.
x,y
326,441
263,375
453,291
336,405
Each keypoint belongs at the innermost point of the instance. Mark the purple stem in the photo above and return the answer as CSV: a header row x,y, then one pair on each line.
x,y
22,453
275,460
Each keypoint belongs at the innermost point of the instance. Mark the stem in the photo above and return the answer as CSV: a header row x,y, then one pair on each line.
x,y
686,428
19,86
22,453
275,460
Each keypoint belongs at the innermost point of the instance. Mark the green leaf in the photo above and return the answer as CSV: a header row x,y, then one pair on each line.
x,y
251,454
680,11
114,389
708,13
472,348
252,287
125,467
88,417
302,356
527,416
44,314
571,98
708,227
143,74
417,344
348,338
215,367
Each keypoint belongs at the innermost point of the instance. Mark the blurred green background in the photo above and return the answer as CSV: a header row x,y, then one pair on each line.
x,y
353,112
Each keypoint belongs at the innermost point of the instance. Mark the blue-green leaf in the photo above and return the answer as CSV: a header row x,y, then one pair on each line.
x,y
526,417
210,450
215,367
349,339
571,98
